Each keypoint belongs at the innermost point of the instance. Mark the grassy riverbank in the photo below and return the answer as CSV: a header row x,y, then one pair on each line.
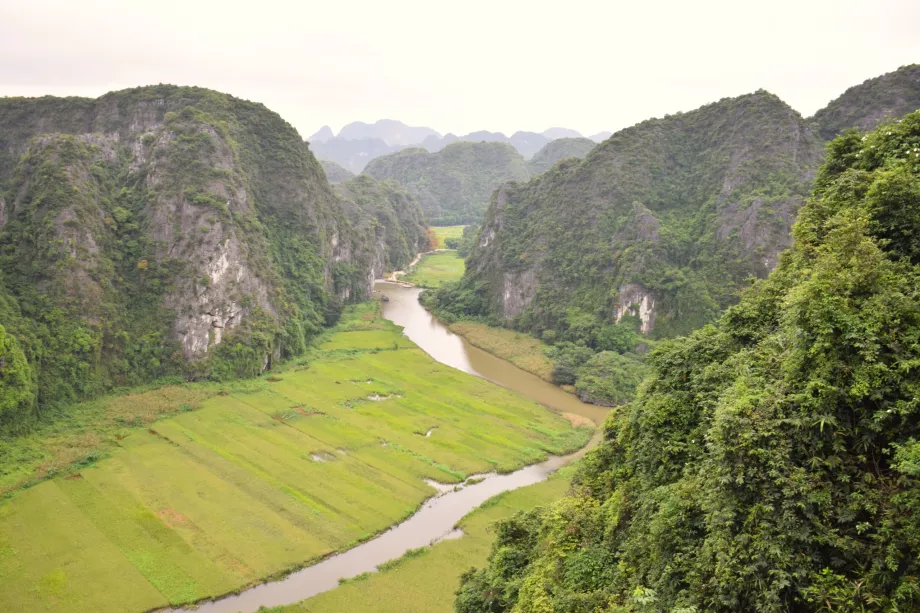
x,y
522,350
425,581
192,491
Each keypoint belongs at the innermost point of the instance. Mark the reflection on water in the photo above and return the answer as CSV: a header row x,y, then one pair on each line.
x,y
436,519
448,348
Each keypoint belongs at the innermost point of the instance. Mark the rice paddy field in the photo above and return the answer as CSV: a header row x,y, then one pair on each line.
x,y
444,232
183,493
436,268
424,581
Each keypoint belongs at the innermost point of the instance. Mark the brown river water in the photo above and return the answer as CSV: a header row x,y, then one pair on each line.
x,y
436,519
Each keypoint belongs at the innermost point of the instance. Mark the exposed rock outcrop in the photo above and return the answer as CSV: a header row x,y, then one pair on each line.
x,y
172,230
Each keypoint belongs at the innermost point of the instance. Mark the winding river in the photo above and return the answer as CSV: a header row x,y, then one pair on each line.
x,y
436,519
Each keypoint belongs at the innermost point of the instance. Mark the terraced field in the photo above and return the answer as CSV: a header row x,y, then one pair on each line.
x,y
262,478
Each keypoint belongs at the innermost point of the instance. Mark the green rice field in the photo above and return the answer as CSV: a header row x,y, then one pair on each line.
x,y
208,489
435,268
424,581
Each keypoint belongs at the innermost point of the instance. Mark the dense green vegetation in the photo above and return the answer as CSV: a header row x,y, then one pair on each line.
x,y
334,172
453,185
770,462
863,106
391,215
559,149
425,581
683,208
193,491
168,231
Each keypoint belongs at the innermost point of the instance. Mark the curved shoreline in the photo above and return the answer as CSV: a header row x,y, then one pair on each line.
x,y
433,522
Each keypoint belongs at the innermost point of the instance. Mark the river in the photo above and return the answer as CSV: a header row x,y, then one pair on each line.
x,y
438,516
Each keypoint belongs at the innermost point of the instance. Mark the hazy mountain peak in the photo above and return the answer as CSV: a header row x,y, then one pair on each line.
x,y
554,133
601,136
322,135
390,131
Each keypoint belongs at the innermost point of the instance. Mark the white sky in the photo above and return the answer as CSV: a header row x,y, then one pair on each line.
x,y
501,65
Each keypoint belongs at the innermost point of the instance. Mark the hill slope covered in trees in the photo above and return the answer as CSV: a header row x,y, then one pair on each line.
x,y
664,220
863,106
164,231
559,149
771,462
453,185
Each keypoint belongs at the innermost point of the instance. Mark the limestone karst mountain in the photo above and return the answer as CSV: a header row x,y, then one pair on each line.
x,y
334,172
169,230
453,185
863,106
559,149
664,220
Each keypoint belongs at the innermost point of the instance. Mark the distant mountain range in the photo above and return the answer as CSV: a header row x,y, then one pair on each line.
x,y
358,142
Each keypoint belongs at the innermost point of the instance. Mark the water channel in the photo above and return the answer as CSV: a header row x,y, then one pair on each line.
x,y
438,516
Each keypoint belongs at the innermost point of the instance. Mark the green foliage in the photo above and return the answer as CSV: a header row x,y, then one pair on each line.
x,y
567,359
110,245
863,106
390,215
609,378
453,185
559,149
687,208
769,463
17,384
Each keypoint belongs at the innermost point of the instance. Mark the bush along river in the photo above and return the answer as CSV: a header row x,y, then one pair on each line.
x,y
438,516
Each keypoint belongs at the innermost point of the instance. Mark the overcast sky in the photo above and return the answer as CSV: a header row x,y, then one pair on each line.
x,y
501,65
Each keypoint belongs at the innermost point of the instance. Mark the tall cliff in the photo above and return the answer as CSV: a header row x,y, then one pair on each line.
x,y
388,227
454,184
164,230
664,220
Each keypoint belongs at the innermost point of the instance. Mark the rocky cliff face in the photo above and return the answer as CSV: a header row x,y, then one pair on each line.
x,y
454,184
386,225
663,221
169,230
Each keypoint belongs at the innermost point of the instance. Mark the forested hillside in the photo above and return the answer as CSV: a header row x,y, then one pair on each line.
x,y
166,231
559,149
770,463
334,172
389,226
863,106
454,184
663,221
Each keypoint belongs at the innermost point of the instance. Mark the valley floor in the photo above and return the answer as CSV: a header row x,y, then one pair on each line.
x,y
522,350
247,481
426,580
435,268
